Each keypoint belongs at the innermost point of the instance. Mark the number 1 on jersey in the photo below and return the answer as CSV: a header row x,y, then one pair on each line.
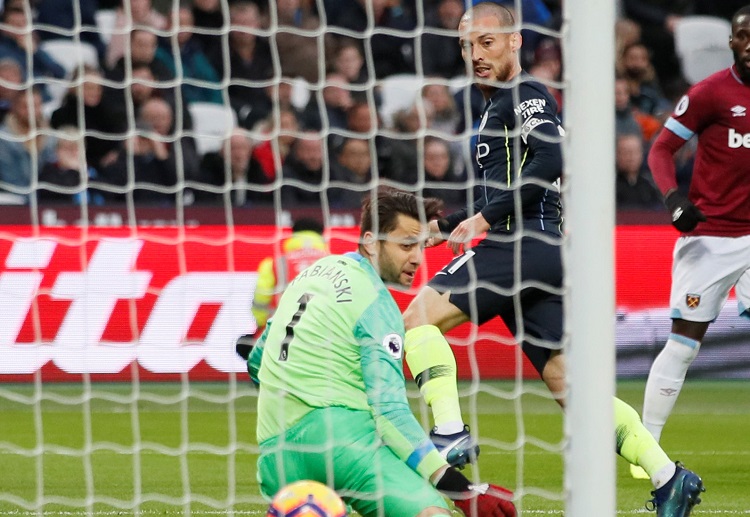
x,y
303,301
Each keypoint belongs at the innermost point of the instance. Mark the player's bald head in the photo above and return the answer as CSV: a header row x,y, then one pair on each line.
x,y
742,15
503,14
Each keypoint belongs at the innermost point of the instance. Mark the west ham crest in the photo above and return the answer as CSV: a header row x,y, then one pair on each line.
x,y
692,300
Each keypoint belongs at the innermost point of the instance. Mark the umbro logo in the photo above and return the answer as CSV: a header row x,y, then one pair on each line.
x,y
738,111
669,392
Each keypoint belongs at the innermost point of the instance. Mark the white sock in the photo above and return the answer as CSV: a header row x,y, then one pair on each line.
x,y
450,427
665,381
661,477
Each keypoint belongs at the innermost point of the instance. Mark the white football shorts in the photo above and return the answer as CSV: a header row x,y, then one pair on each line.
x,y
704,269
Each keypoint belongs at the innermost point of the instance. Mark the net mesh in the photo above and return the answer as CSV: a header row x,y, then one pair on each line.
x,y
140,201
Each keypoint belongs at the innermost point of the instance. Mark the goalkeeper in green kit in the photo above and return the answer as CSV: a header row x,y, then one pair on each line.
x,y
332,403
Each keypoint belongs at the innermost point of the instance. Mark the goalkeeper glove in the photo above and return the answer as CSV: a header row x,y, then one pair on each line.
x,y
244,345
685,215
484,500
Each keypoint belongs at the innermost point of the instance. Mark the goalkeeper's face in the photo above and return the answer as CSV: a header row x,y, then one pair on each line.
x,y
398,254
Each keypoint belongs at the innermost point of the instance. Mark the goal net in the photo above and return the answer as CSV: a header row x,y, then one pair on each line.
x,y
150,159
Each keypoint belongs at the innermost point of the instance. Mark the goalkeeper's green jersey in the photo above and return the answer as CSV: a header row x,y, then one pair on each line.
x,y
337,340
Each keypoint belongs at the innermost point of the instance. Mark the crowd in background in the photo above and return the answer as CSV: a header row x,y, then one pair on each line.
x,y
132,103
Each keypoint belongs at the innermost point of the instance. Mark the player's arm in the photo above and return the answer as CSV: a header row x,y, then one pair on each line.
x,y
542,134
381,347
685,215
383,376
255,358
264,292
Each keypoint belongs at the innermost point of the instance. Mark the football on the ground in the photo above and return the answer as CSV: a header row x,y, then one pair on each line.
x,y
306,499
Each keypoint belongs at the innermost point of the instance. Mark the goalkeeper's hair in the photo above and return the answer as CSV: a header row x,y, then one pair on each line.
x,y
380,213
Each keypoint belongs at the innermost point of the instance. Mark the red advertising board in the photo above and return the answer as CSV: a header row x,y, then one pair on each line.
x,y
159,303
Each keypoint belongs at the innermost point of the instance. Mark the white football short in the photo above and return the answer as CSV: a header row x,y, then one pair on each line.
x,y
704,269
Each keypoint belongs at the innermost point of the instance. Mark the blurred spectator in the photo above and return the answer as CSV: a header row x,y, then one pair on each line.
x,y
195,66
24,143
209,16
470,102
143,45
440,178
17,41
277,141
156,165
249,61
724,9
234,168
441,55
11,77
143,85
62,180
625,122
627,33
304,165
277,95
61,14
548,55
337,100
352,166
349,62
159,115
391,53
99,116
133,15
546,76
634,186
300,55
444,112
658,20
533,12
394,156
635,65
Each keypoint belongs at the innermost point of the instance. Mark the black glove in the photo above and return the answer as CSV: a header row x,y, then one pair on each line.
x,y
244,345
485,500
685,215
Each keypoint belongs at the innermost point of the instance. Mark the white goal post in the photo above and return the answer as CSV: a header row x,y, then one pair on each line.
x,y
589,198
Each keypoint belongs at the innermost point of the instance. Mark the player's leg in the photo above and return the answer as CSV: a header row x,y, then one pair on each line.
x,y
430,358
542,313
704,270
667,374
341,448
379,483
677,489
451,298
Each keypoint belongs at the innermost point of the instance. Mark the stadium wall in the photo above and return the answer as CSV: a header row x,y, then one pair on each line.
x,y
162,302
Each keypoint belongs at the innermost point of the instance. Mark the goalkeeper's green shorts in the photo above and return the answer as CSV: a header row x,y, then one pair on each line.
x,y
340,447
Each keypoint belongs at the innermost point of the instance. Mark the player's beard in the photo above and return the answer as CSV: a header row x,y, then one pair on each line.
x,y
743,67
491,85
389,271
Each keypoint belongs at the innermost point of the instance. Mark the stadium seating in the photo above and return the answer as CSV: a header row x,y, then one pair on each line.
x,y
105,22
212,124
398,92
702,45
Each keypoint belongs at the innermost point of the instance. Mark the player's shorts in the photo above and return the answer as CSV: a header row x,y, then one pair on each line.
x,y
342,445
704,269
483,284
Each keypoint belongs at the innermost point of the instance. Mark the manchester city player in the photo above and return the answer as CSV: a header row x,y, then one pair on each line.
x,y
519,155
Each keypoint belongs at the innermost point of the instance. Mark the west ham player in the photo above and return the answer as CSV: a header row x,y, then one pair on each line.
x,y
519,153
713,252
332,402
